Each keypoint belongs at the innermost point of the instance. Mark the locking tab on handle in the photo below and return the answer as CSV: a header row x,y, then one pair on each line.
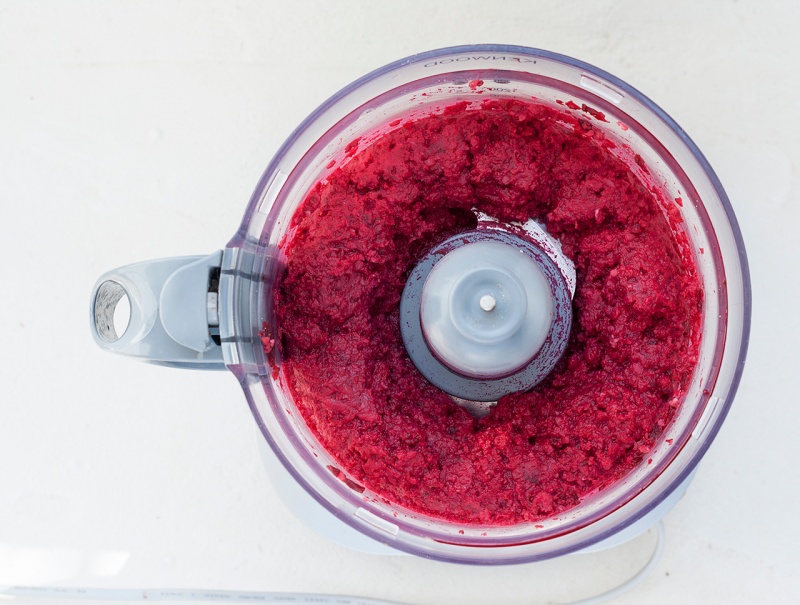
x,y
173,311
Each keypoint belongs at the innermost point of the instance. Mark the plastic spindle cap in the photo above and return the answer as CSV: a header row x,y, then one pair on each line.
x,y
486,309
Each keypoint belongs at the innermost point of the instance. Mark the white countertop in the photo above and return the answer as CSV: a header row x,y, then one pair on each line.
x,y
137,130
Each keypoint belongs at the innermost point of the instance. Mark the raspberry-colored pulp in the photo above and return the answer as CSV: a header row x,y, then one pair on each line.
x,y
636,314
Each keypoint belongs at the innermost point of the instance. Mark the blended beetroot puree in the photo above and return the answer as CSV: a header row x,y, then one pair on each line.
x,y
359,233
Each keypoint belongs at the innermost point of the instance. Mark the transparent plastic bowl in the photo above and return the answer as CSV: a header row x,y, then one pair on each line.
x,y
251,266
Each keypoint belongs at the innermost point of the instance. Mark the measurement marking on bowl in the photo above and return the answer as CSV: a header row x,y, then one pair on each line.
x,y
601,90
272,191
704,423
377,522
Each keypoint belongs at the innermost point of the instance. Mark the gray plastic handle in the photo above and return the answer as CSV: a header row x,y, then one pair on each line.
x,y
171,312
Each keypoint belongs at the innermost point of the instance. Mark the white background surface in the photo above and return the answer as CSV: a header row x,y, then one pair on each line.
x,y
131,131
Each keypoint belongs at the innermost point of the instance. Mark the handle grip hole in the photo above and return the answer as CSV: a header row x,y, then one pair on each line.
x,y
112,311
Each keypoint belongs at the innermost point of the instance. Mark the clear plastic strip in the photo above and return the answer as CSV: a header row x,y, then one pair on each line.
x,y
102,594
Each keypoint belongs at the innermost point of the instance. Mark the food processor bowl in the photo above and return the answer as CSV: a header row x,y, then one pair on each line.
x,y
234,292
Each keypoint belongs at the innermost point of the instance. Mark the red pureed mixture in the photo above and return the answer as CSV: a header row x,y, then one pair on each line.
x,y
637,314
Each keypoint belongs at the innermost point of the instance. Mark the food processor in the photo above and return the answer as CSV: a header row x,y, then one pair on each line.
x,y
217,311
